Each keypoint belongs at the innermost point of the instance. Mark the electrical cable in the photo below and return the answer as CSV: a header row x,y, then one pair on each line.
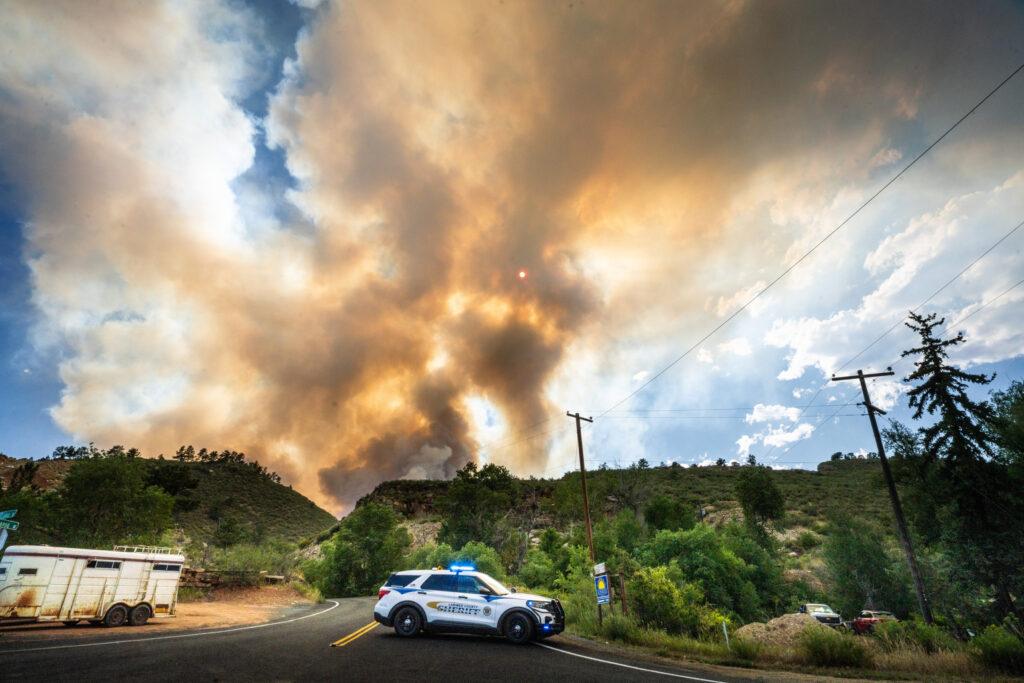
x,y
814,248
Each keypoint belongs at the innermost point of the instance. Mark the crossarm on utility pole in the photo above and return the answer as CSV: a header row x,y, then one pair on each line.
x,y
897,508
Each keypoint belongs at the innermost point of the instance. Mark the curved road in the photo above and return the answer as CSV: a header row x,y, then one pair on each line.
x,y
298,647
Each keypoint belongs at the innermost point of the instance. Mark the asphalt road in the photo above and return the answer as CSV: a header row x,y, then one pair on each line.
x,y
297,646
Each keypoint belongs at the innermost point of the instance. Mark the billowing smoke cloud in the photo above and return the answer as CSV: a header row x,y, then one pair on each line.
x,y
608,150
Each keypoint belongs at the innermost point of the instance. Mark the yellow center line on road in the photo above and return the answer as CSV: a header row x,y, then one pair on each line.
x,y
345,640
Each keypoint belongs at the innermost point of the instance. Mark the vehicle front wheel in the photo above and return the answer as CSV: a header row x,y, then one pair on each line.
x,y
518,628
407,622
139,615
116,616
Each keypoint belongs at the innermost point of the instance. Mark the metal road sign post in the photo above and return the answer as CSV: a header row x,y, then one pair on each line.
x,y
604,594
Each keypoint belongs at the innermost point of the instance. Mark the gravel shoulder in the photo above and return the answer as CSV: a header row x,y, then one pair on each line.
x,y
225,607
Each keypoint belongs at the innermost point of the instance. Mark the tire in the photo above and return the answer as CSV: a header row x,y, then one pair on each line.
x,y
408,622
519,628
116,616
95,622
139,615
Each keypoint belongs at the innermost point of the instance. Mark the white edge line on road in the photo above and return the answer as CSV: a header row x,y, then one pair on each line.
x,y
630,666
176,635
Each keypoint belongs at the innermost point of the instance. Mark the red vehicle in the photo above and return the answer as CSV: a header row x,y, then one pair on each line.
x,y
865,623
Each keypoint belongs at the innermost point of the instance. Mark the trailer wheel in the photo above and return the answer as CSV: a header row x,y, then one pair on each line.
x,y
116,616
139,615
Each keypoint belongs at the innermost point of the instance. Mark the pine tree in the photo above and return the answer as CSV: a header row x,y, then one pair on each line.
x,y
967,501
958,435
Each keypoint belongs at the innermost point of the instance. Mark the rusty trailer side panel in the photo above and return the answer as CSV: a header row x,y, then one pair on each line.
x,y
68,584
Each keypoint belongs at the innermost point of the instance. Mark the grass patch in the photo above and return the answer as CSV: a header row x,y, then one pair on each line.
x,y
912,635
825,647
311,593
192,594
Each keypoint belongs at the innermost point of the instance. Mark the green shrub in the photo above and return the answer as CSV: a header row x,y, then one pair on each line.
x,y
826,647
538,570
901,635
659,602
807,540
998,648
621,628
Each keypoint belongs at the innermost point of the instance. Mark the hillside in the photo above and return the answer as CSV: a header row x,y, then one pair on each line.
x,y
853,486
220,502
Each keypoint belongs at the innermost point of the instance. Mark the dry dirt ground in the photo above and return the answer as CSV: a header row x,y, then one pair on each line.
x,y
227,607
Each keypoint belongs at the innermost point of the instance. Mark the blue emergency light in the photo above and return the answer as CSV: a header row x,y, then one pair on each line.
x,y
461,568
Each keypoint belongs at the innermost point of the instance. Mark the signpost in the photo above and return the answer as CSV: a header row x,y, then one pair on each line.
x,y
604,591
7,522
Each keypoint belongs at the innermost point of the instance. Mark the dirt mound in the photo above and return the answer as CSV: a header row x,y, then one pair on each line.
x,y
781,631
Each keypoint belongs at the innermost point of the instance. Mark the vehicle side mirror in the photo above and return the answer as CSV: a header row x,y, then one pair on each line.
x,y
514,589
803,609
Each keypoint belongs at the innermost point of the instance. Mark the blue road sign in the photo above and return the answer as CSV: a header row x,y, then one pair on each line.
x,y
8,524
604,595
8,514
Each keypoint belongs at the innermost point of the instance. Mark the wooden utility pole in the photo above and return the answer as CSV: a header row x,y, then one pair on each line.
x,y
586,498
897,509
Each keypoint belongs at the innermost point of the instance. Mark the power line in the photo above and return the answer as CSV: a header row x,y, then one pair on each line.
x,y
896,324
814,248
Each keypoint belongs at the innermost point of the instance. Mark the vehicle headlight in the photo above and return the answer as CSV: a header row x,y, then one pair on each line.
x,y
539,605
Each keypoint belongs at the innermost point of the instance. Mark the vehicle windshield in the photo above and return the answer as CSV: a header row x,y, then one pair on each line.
x,y
825,609
493,584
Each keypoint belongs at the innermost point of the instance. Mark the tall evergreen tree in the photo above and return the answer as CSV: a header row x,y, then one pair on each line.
x,y
969,504
958,435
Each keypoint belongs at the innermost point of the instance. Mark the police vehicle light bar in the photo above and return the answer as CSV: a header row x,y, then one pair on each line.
x,y
461,568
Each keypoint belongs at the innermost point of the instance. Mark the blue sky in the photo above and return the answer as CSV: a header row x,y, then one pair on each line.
x,y
298,231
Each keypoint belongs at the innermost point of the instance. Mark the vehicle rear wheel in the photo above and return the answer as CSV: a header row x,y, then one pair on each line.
x,y
518,628
116,616
407,622
139,615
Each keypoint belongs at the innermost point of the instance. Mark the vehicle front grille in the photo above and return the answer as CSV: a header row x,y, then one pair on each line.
x,y
556,609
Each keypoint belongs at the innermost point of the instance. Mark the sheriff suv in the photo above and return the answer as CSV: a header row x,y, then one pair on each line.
x,y
462,600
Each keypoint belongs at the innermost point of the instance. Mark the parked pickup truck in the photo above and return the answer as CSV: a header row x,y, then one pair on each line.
x,y
865,623
823,613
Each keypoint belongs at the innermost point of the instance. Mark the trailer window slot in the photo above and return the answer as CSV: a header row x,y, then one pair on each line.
x,y
27,571
3,570
166,567
102,564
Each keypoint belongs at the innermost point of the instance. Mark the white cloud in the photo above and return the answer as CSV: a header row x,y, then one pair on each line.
x,y
738,346
771,413
728,304
782,437
704,356
744,443
908,267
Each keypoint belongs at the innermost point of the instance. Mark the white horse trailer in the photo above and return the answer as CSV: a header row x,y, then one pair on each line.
x,y
127,585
